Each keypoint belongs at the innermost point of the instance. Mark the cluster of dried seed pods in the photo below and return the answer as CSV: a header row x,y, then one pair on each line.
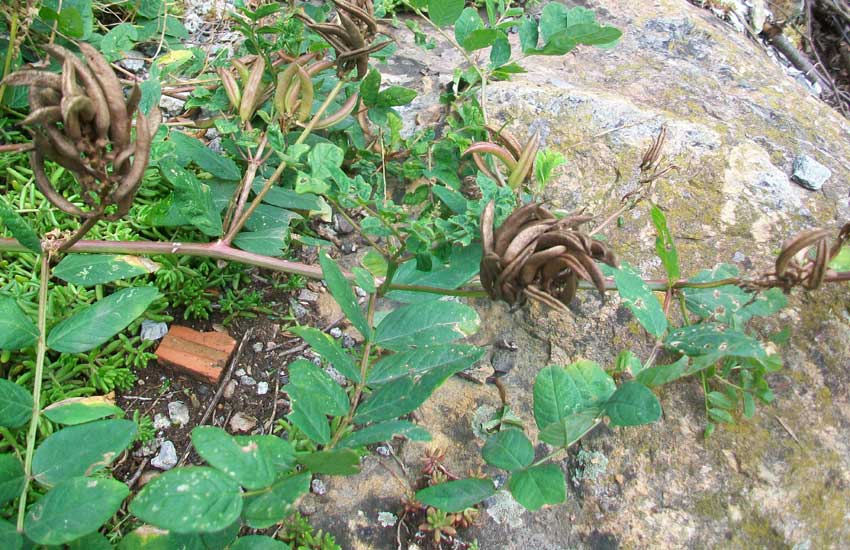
x,y
518,159
538,256
804,260
351,37
82,121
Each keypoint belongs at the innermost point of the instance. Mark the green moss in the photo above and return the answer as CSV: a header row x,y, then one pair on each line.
x,y
710,505
757,532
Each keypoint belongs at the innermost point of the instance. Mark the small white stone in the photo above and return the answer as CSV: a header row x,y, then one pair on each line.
x,y
336,332
240,372
262,388
167,457
317,486
241,422
258,347
161,422
151,330
178,412
386,519
247,381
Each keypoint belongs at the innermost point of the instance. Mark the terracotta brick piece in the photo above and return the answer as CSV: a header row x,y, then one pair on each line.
x,y
200,354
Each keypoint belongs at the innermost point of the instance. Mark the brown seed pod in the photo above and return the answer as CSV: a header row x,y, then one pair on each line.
x,y
534,255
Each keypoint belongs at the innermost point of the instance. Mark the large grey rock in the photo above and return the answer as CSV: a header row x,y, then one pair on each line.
x,y
735,123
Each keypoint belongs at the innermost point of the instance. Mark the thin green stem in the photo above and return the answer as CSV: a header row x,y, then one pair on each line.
x,y
10,438
36,390
10,51
560,450
322,108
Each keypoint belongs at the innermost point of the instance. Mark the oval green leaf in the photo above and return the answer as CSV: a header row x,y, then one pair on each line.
x,y
538,486
258,542
9,536
98,269
74,508
11,478
81,450
456,496
344,295
99,322
385,431
17,331
15,404
509,450
79,410
269,508
189,500
248,464
426,324
337,462
633,404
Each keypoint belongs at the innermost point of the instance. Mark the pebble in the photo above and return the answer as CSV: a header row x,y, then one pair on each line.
x,y
349,248
298,310
336,375
336,332
342,226
161,422
360,292
151,330
738,257
147,449
230,389
134,62
241,422
386,519
809,173
178,412
383,450
262,388
258,347
240,372
171,105
247,381
317,486
348,342
167,457
307,295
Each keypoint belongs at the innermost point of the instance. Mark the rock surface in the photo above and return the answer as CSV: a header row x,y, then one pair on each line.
x,y
735,123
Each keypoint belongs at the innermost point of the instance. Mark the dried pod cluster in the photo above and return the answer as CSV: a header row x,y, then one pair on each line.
x,y
518,159
538,256
82,121
351,36
804,260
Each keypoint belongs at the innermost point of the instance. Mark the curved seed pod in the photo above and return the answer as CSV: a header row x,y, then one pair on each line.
x,y
525,162
362,15
654,152
479,162
797,244
568,292
505,138
596,275
337,117
527,237
818,265
126,190
72,163
70,88
43,115
75,111
318,67
231,87
242,69
29,77
570,239
498,151
133,100
252,90
512,269
512,225
489,271
573,222
553,269
44,185
488,219
93,89
536,261
302,85
536,294
119,130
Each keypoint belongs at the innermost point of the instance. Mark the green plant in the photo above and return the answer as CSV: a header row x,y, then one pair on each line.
x,y
309,130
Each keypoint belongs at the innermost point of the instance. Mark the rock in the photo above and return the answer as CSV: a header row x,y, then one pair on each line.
x,y
242,422
308,296
134,62
247,381
317,486
298,310
810,173
257,347
383,450
262,388
161,422
336,332
342,225
148,448
229,389
171,105
167,457
387,519
178,412
348,342
151,330
239,372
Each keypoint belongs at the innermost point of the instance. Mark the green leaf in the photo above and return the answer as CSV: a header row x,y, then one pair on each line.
x,y
538,486
74,508
555,396
385,431
591,34
279,451
509,450
10,539
289,199
456,496
19,228
444,12
99,322
665,247
11,478
17,331
640,300
274,506
426,324
189,500
92,541
749,405
328,347
344,295
325,160
151,90
15,404
715,341
420,361
594,385
246,462
467,22
396,96
662,374
528,35
194,199
338,462
627,361
266,242
307,417
720,415
370,88
462,266
79,410
191,149
720,400
633,404
258,542
307,381
148,537
270,217
63,455
729,303
841,262
98,269
149,8
118,41
481,38
501,51
553,19
570,429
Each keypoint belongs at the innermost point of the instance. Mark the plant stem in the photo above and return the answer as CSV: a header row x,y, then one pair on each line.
x,y
364,367
36,390
561,450
10,51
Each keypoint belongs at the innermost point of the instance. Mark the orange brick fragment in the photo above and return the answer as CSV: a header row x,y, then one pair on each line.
x,y
200,354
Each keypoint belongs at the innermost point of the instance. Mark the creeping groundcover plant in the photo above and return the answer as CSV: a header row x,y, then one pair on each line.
x,y
114,215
